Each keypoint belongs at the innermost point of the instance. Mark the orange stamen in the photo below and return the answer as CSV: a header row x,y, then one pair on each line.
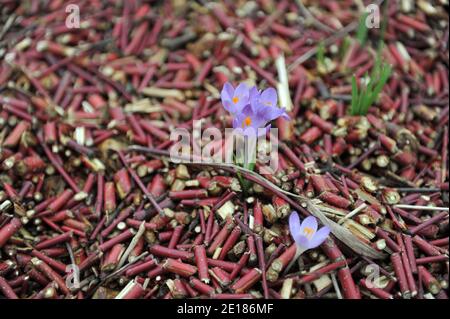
x,y
247,121
308,231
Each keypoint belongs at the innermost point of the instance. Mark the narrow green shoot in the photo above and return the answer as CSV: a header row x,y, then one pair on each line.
x,y
321,53
362,31
344,46
365,96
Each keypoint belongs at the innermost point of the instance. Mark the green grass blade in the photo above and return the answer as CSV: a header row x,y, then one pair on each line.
x,y
362,100
385,73
362,31
353,108
321,53
344,47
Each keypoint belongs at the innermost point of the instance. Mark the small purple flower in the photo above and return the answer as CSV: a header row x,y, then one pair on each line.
x,y
268,97
234,100
305,234
267,112
249,122
251,108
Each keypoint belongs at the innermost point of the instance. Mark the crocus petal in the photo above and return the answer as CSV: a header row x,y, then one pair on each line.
x,y
227,91
284,114
247,122
309,222
242,91
255,105
239,106
238,119
269,97
247,111
229,106
254,93
254,98
294,223
302,242
270,113
256,121
236,123
319,237
242,94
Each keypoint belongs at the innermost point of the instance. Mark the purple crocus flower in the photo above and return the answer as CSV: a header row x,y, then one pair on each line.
x,y
262,108
265,105
305,234
234,100
249,121
268,97
251,108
